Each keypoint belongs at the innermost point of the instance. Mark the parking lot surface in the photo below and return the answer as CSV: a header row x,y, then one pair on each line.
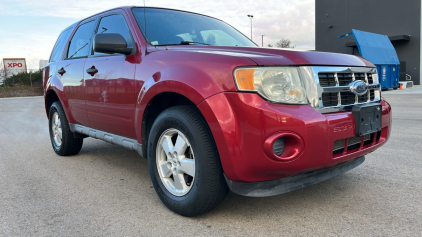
x,y
105,190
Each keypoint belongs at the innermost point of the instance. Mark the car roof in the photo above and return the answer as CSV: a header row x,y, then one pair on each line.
x,y
128,9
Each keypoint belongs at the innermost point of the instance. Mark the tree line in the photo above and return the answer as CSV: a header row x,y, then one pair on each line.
x,y
24,78
283,43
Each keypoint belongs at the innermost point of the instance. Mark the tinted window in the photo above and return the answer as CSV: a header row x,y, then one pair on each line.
x,y
79,45
58,47
165,27
115,24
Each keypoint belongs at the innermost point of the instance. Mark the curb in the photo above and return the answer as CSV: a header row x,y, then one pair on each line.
x,y
25,97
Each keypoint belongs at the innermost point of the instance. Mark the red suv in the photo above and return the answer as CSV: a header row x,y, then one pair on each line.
x,y
210,110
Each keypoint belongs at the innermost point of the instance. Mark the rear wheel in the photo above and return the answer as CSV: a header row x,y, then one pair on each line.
x,y
61,137
183,161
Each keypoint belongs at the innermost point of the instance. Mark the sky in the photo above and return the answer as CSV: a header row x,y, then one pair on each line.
x,y
29,28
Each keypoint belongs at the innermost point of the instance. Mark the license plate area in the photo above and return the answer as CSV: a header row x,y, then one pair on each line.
x,y
367,118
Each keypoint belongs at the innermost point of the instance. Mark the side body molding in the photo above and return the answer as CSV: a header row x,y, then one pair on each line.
x,y
129,143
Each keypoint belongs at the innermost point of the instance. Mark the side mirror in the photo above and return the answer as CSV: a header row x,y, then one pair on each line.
x,y
111,43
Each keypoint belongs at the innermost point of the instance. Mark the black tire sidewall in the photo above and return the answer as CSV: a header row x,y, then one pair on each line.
x,y
53,109
167,120
70,145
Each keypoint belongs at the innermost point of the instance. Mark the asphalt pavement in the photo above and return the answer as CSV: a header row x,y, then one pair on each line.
x,y
105,190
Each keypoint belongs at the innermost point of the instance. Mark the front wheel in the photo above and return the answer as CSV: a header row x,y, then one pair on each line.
x,y
183,162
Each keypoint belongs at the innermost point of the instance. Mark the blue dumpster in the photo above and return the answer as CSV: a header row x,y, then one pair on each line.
x,y
378,50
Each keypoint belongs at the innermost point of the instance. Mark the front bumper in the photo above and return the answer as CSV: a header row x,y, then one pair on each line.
x,y
292,183
242,122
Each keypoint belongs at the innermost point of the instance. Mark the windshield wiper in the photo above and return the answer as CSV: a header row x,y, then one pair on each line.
x,y
192,42
183,43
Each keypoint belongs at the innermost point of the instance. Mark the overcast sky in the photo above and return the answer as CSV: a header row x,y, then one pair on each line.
x,y
29,28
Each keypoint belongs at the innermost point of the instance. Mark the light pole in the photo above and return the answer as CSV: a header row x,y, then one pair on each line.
x,y
263,40
250,17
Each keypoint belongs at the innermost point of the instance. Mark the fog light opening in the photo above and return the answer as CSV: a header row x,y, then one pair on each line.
x,y
283,146
278,146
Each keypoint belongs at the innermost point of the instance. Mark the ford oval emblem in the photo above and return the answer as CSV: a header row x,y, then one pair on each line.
x,y
358,87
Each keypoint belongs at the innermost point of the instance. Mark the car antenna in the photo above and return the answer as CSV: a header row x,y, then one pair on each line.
x,y
146,37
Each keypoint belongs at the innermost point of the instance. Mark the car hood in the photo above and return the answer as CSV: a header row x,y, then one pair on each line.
x,y
270,56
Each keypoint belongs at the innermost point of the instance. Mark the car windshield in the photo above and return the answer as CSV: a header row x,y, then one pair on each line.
x,y
170,27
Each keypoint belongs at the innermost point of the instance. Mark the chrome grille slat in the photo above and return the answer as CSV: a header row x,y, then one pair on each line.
x,y
336,78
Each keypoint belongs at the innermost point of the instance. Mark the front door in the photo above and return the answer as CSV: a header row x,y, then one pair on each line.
x,y
109,84
70,71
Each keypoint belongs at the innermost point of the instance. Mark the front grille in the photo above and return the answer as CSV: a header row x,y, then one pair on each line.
x,y
363,98
368,140
336,92
370,80
352,143
347,98
327,79
339,146
344,79
360,76
330,99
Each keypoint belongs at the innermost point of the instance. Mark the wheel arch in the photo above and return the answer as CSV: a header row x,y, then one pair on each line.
x,y
50,97
154,107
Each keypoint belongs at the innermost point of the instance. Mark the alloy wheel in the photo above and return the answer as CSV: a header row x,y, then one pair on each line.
x,y
175,162
56,128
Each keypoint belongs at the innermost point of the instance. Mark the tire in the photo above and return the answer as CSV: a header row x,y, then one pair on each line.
x,y
197,166
67,145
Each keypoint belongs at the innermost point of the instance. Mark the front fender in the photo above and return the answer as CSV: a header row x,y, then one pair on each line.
x,y
194,75
225,129
151,88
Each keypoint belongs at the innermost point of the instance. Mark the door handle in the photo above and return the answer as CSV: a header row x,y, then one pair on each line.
x,y
92,70
61,71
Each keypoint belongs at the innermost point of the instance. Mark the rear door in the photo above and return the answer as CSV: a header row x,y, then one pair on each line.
x,y
71,70
50,68
110,88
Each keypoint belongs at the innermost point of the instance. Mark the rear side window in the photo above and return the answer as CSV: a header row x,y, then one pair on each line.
x,y
115,24
79,45
58,47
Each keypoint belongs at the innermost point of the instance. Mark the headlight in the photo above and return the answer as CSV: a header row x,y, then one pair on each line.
x,y
277,84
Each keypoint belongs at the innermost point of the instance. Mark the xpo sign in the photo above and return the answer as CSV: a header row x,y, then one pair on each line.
x,y
13,66
9,65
